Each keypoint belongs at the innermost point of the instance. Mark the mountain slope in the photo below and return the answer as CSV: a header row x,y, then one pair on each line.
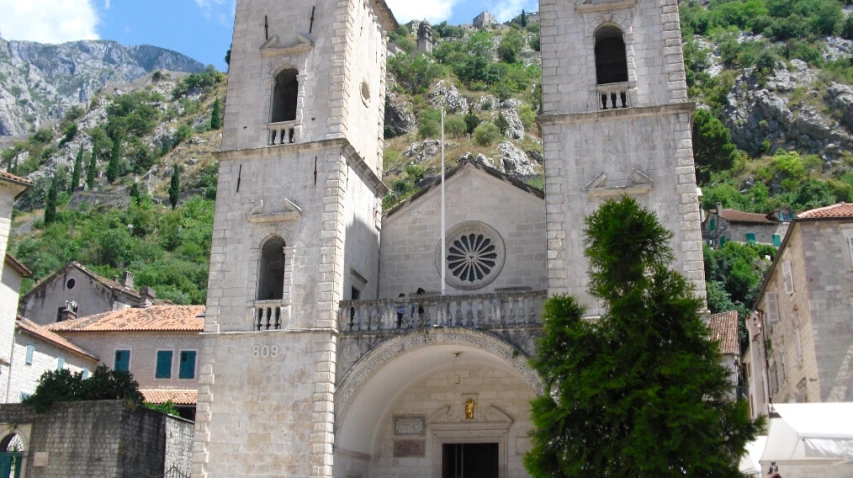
x,y
40,82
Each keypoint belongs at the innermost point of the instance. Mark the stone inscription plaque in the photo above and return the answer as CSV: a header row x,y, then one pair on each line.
x,y
409,449
409,425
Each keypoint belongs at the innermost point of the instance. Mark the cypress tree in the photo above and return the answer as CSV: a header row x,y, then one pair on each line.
x,y
112,166
75,175
502,123
523,18
216,115
50,205
135,194
175,186
91,171
642,392
471,121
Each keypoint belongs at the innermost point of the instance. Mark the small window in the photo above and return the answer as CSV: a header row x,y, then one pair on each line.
x,y
60,363
788,277
86,373
284,96
25,395
712,225
365,93
187,369
772,306
122,362
30,350
164,364
70,283
750,238
271,281
777,240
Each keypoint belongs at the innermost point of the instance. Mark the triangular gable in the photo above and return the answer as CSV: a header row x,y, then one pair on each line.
x,y
296,42
465,167
100,281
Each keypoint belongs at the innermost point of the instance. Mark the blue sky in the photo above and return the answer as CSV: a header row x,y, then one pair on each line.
x,y
200,29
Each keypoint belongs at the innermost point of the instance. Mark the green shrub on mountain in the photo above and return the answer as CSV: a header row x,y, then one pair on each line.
x,y
486,134
415,74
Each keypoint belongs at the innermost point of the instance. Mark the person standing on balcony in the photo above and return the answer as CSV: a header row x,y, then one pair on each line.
x,y
401,309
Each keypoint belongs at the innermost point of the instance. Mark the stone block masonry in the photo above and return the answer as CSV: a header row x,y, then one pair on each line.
x,y
98,439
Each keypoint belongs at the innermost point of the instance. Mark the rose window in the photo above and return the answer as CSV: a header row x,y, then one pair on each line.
x,y
474,254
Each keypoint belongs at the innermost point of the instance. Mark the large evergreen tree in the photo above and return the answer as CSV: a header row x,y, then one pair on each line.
x,y
50,204
175,186
78,169
642,392
712,145
216,115
91,171
113,165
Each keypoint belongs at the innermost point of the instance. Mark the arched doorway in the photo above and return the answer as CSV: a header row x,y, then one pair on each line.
x,y
431,403
11,456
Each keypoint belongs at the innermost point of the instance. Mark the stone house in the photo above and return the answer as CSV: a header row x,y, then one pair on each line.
x,y
801,335
483,20
721,225
308,348
75,291
37,350
11,187
724,329
11,275
159,345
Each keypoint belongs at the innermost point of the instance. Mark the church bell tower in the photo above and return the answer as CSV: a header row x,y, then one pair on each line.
x,y
616,120
296,230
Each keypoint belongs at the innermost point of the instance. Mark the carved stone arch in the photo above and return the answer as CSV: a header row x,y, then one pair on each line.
x,y
384,354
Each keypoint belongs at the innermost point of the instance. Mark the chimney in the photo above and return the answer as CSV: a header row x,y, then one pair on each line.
x,y
148,296
127,279
69,312
719,209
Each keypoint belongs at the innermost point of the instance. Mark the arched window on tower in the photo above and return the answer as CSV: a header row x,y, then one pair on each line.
x,y
285,91
271,280
611,64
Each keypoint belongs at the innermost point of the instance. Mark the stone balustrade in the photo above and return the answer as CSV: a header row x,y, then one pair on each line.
x,y
283,132
614,95
267,315
500,310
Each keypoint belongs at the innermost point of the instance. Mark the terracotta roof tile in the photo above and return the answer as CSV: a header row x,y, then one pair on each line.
x,y
43,333
841,210
724,328
733,215
157,318
163,395
15,179
18,266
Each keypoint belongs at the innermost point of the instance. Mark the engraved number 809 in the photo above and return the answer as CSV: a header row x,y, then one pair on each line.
x,y
265,351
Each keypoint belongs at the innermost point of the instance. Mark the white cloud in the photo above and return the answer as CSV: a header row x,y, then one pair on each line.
x,y
509,9
107,5
219,10
48,21
432,10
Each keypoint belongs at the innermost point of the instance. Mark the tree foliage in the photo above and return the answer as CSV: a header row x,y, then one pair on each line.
x,y
50,205
641,393
415,74
78,170
713,149
63,386
216,115
175,186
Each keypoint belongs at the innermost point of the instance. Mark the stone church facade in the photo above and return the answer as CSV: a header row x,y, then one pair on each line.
x,y
328,350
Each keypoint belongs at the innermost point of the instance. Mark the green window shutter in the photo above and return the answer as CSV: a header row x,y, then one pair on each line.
x,y
723,241
750,238
122,361
164,364
60,363
187,364
712,225
777,240
30,350
24,396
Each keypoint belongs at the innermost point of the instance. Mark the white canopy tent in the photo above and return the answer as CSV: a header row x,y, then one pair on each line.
x,y
807,437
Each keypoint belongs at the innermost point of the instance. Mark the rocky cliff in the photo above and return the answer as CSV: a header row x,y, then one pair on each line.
x,y
40,82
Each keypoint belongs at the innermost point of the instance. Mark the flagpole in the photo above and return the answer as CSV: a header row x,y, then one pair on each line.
x,y
443,229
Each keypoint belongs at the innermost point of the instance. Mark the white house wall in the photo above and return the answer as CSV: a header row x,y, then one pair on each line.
x,y
24,378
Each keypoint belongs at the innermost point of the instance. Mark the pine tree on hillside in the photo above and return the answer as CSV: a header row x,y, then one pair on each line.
x,y
471,121
642,392
502,123
50,205
91,171
175,186
75,175
135,193
216,115
113,165
523,18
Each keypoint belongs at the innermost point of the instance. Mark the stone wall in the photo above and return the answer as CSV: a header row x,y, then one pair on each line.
x,y
143,348
411,236
104,438
7,202
10,284
179,444
24,378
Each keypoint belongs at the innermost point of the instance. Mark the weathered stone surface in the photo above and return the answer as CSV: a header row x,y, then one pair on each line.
x,y
487,103
840,98
444,95
515,130
399,118
419,152
515,161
